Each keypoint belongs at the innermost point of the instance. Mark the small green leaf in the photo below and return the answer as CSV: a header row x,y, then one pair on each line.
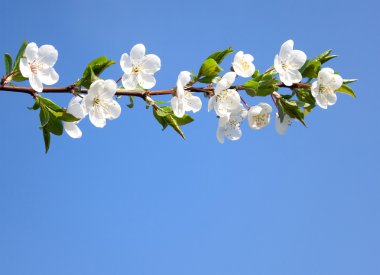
x,y
50,104
131,102
46,135
209,68
220,55
18,78
94,68
261,88
306,97
346,90
348,81
55,126
8,63
36,105
44,116
20,54
291,108
311,68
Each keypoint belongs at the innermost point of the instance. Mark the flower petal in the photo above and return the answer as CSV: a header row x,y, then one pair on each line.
x,y
126,63
25,68
109,89
72,129
31,52
184,78
47,55
297,59
97,117
286,49
277,65
113,109
48,76
35,82
177,106
129,81
192,103
137,53
151,63
146,81
331,98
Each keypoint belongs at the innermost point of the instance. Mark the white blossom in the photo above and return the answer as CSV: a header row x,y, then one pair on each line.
x,y
259,116
243,65
282,127
225,100
99,102
324,88
76,109
184,101
37,65
288,63
229,127
139,69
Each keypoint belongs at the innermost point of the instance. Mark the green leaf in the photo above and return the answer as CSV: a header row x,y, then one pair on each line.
x,y
46,135
209,68
346,90
260,88
64,116
44,116
94,69
36,105
311,68
20,54
220,55
348,81
55,126
18,78
306,97
325,56
208,79
291,108
8,63
166,117
131,102
50,104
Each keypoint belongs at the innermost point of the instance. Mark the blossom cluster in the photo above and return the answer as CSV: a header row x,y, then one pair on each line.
x,y
139,68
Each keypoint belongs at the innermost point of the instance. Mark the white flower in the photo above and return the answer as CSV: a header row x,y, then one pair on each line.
x,y
99,102
139,68
184,101
38,65
225,100
230,126
282,127
259,116
288,63
324,88
75,108
243,65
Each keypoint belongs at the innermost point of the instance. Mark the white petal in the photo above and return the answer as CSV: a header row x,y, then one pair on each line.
x,y
321,101
97,117
184,78
72,129
113,109
177,106
294,76
48,76
109,89
129,81
285,78
137,53
35,82
25,68
238,56
211,103
286,49
151,63
192,103
146,81
277,65
266,107
96,89
220,135
48,55
315,89
331,98
126,63
297,59
75,109
336,82
31,51
281,128
254,110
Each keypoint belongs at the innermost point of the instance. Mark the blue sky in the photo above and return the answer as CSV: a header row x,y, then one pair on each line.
x,y
131,199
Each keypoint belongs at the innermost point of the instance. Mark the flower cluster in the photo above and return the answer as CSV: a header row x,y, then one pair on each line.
x,y
99,100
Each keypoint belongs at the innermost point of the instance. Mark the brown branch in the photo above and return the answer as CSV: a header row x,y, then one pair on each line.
x,y
142,94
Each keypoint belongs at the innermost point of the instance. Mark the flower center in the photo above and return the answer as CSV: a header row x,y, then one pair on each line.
x,y
261,119
323,90
35,66
284,66
99,105
136,69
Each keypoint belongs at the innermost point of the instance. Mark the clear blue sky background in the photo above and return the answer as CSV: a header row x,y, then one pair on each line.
x,y
131,199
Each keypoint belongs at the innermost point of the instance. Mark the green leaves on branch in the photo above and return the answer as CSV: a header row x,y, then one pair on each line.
x,y
312,66
291,108
93,70
51,118
306,97
210,68
346,90
261,85
12,68
166,117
